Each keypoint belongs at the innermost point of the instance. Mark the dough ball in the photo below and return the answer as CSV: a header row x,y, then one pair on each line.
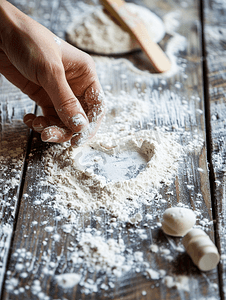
x,y
177,221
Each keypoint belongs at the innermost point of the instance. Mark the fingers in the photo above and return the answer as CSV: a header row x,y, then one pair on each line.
x,y
66,104
94,98
28,120
51,128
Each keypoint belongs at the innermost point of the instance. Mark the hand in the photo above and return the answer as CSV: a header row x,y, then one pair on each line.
x,y
60,78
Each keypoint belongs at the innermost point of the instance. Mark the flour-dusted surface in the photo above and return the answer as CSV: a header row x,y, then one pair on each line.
x,y
113,182
56,257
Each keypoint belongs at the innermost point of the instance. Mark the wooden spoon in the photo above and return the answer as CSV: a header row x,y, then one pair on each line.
x,y
136,27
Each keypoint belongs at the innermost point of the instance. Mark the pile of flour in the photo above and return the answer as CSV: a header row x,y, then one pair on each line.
x,y
85,191
121,168
97,32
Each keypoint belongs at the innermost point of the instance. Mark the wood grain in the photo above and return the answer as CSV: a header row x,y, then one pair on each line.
x,y
43,243
215,41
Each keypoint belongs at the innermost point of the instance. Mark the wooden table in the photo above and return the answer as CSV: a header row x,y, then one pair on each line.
x,y
30,257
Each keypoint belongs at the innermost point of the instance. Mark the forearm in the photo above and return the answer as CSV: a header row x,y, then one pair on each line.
x,y
1,22
5,20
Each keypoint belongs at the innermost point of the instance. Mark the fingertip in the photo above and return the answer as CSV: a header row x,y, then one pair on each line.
x,y
79,139
28,120
67,106
55,134
78,123
95,99
40,123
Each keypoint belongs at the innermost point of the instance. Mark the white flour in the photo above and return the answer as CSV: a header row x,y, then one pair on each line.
x,y
180,282
119,169
68,280
95,31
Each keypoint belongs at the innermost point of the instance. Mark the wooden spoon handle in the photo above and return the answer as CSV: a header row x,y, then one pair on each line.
x,y
128,20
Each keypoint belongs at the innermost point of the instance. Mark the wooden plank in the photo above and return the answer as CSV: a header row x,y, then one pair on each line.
x,y
215,40
13,146
45,242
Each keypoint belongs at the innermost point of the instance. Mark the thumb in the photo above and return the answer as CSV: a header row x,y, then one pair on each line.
x,y
65,103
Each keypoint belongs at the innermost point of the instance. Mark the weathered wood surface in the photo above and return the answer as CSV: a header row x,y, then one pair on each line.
x,y
39,254
215,41
13,147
